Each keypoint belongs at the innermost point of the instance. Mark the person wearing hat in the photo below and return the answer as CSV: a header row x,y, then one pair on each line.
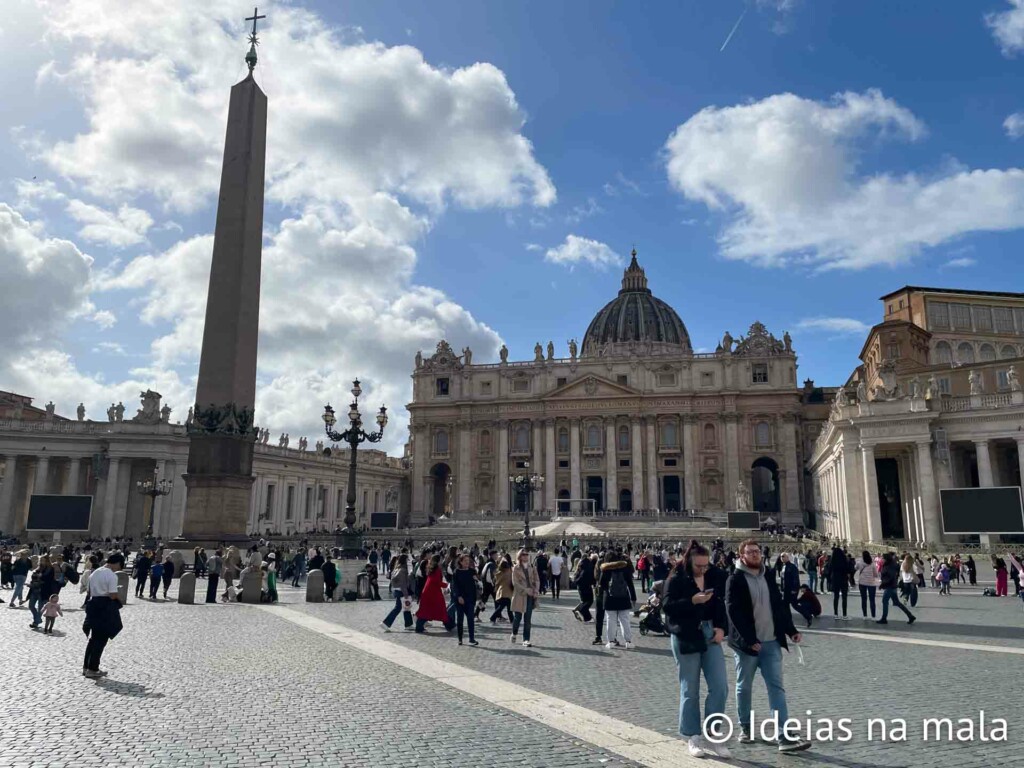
x,y
102,614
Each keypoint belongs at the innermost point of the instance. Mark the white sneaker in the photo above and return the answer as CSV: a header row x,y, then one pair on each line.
x,y
385,627
694,747
715,750
527,644
629,646
609,646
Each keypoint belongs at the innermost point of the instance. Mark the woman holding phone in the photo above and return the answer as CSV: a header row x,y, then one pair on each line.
x,y
695,615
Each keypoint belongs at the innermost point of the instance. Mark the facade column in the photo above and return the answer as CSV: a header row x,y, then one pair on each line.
x,y
74,475
871,506
42,473
851,489
793,469
575,486
503,489
637,464
537,461
691,469
985,477
7,517
418,507
732,459
1020,460
110,497
653,497
550,486
611,467
929,498
464,479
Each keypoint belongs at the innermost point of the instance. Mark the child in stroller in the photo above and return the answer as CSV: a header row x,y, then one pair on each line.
x,y
651,620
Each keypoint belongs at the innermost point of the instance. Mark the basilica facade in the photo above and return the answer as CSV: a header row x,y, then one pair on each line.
x,y
631,420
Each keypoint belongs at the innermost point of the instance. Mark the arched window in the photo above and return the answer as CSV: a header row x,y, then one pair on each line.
x,y
623,438
563,440
669,434
485,441
593,436
441,441
986,353
762,434
943,353
709,436
1007,352
964,353
521,439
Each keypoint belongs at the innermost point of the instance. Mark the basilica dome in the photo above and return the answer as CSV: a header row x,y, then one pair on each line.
x,y
636,320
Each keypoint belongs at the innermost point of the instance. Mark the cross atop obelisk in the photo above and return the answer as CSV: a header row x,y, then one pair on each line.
x,y
250,57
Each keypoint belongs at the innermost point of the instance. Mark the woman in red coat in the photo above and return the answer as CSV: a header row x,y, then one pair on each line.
x,y
432,605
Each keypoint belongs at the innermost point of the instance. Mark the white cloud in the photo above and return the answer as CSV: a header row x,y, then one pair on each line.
x,y
783,171
584,211
581,250
104,318
534,247
43,283
960,262
128,226
838,325
1014,125
621,184
1008,28
110,347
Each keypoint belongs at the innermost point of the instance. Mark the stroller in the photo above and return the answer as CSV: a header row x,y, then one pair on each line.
x,y
651,620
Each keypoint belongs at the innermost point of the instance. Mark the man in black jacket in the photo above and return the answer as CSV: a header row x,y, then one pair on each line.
x,y
759,623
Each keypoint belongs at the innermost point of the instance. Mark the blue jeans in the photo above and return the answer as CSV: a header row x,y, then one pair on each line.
x,y
19,585
893,596
390,618
812,580
524,618
35,604
690,665
769,661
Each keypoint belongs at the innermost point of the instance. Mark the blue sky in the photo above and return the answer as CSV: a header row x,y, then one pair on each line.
x,y
482,170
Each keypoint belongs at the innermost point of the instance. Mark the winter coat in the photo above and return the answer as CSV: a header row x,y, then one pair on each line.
x,y
683,617
503,584
790,580
432,605
464,586
525,583
890,575
839,571
617,603
739,608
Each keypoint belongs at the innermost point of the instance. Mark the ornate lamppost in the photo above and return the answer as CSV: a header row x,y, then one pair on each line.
x,y
526,483
152,489
348,539
449,484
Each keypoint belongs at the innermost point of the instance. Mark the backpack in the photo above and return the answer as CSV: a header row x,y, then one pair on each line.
x,y
617,587
71,573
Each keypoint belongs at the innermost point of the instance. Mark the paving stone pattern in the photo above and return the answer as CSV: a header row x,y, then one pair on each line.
x,y
230,685
843,676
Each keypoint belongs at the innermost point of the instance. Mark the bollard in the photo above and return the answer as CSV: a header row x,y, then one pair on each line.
x,y
315,586
252,587
123,578
187,588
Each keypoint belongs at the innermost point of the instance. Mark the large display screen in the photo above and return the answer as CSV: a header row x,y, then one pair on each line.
x,y
383,519
59,513
981,510
748,520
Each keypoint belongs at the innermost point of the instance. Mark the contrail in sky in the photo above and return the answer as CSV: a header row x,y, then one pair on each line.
x,y
734,28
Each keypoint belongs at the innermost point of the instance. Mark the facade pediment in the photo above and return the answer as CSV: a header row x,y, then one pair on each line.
x,y
590,386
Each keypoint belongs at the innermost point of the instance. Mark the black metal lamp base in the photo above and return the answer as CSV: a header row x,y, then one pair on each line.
x,y
349,541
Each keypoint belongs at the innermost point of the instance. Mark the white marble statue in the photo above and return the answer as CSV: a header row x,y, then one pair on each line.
x,y
915,387
538,352
50,408
974,380
742,498
112,413
573,349
862,392
503,353
165,415
551,350
1011,379
931,389
190,418
81,411
119,412
467,356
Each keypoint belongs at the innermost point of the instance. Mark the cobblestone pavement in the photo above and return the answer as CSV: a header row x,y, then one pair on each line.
x,y
843,676
233,685
230,685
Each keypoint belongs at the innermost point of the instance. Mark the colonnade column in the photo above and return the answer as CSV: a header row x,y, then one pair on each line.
x,y
575,487
692,471
179,494
732,468
652,464
503,466
42,474
74,475
550,486
637,464
464,478
7,521
110,497
537,464
871,506
611,458
929,505
985,477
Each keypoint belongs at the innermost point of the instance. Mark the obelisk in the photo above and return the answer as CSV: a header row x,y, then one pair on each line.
x,y
222,435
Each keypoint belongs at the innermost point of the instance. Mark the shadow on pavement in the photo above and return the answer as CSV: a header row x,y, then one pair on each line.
x,y
127,689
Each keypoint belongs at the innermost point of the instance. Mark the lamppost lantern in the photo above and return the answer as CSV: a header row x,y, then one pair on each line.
x,y
526,484
152,489
353,436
